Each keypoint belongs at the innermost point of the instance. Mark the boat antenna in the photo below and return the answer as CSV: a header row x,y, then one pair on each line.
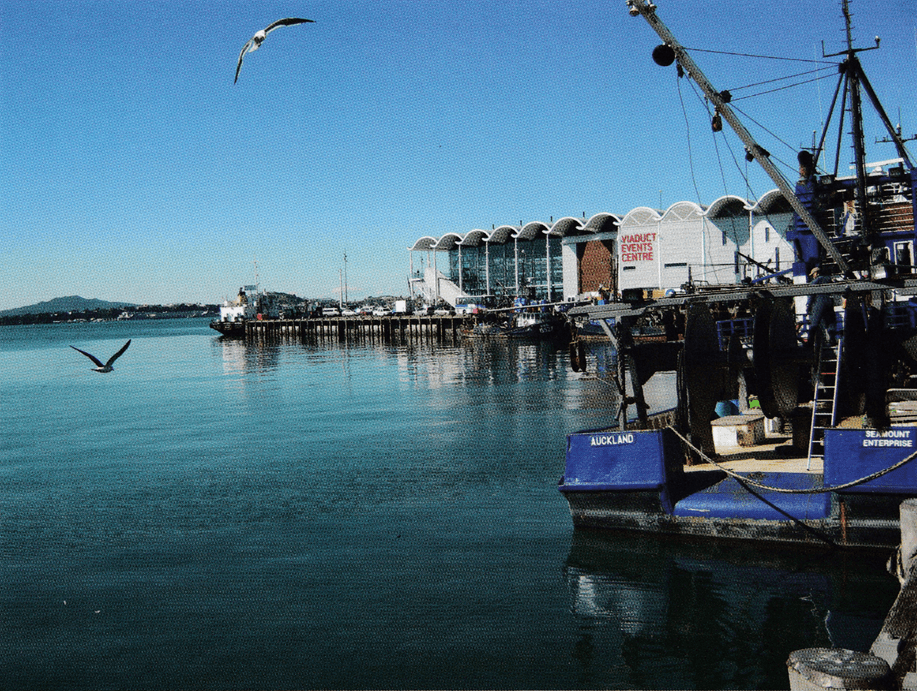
x,y
672,50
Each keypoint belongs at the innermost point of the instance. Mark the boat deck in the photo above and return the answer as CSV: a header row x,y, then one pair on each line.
x,y
775,455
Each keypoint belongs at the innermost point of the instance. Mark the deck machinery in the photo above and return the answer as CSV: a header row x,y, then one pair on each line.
x,y
831,343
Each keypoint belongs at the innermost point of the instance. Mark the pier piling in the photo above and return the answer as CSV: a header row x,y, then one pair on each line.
x,y
430,328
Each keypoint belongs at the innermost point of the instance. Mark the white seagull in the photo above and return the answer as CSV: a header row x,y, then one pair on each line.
x,y
107,366
255,41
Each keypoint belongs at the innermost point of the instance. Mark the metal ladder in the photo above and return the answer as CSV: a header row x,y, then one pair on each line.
x,y
824,403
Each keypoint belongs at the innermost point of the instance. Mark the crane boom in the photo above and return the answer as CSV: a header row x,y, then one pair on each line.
x,y
648,11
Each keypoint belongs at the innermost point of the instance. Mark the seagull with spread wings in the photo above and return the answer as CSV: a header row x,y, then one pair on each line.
x,y
107,366
255,41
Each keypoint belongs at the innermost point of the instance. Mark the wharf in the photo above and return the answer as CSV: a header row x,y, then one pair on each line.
x,y
438,328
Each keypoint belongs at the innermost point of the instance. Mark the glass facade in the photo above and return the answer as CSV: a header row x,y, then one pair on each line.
x,y
533,266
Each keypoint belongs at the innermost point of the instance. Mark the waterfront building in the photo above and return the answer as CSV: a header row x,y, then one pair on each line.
x,y
645,249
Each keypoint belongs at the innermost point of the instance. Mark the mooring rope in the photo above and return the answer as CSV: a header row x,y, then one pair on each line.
x,y
817,490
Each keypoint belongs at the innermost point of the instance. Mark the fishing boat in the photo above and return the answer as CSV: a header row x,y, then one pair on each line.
x,y
821,372
524,320
250,304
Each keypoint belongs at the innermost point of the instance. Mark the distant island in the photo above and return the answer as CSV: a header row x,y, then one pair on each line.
x,y
74,308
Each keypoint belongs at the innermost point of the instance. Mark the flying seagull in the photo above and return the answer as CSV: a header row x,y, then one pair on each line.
x,y
107,366
255,41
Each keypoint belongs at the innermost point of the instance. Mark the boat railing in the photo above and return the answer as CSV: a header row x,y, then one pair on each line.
x,y
726,328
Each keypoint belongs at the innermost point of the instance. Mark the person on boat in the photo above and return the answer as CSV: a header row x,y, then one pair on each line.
x,y
806,244
822,318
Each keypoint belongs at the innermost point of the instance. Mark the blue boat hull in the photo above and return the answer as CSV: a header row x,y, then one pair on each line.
x,y
635,480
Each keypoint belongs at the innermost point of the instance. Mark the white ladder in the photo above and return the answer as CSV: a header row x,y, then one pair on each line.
x,y
824,403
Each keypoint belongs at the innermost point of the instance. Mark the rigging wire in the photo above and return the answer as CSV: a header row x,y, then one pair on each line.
x,y
743,173
708,268
782,88
775,136
719,160
760,57
688,137
779,79
706,105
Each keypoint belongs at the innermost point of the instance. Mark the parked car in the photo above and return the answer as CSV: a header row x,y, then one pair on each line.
x,y
381,312
348,313
331,312
469,305
403,307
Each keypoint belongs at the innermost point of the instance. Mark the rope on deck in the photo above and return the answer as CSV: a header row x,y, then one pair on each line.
x,y
817,490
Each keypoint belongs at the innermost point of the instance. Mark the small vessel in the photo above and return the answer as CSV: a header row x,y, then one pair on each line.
x,y
820,373
249,304
525,320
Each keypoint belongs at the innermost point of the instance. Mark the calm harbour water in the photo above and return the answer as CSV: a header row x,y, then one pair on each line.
x,y
223,514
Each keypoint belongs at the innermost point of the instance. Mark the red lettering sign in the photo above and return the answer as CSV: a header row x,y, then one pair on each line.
x,y
637,247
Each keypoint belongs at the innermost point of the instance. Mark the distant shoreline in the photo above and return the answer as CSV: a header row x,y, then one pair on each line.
x,y
140,313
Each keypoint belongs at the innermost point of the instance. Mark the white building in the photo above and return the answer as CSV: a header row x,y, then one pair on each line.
x,y
646,249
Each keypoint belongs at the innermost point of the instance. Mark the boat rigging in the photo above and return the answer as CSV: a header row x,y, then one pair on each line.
x,y
832,356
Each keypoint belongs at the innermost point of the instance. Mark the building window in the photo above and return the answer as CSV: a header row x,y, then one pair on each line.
x,y
767,233
675,264
628,268
904,255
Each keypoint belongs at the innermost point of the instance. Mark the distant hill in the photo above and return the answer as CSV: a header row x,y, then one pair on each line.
x,y
72,303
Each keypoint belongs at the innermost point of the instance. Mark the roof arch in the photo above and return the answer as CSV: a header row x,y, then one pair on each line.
x,y
448,241
641,216
502,234
426,243
682,211
531,230
602,223
772,202
728,205
474,238
567,226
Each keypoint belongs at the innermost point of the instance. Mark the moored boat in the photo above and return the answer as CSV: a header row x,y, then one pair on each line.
x,y
822,370
248,305
525,320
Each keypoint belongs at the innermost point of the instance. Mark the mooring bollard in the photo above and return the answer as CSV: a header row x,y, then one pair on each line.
x,y
816,669
890,664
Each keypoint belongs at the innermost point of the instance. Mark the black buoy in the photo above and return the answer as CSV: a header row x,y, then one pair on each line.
x,y
577,356
663,55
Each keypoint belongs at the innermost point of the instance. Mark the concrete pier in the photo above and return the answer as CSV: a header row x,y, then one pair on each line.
x,y
897,642
891,662
815,669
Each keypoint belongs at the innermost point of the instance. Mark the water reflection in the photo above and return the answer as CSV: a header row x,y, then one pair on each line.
x,y
708,615
471,361
241,356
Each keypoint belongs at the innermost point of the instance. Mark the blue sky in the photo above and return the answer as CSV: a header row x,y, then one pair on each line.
x,y
131,167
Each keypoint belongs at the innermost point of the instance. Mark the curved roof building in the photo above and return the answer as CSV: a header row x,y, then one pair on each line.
x,y
645,249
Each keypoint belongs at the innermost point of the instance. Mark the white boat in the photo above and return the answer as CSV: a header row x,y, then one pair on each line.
x,y
250,304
